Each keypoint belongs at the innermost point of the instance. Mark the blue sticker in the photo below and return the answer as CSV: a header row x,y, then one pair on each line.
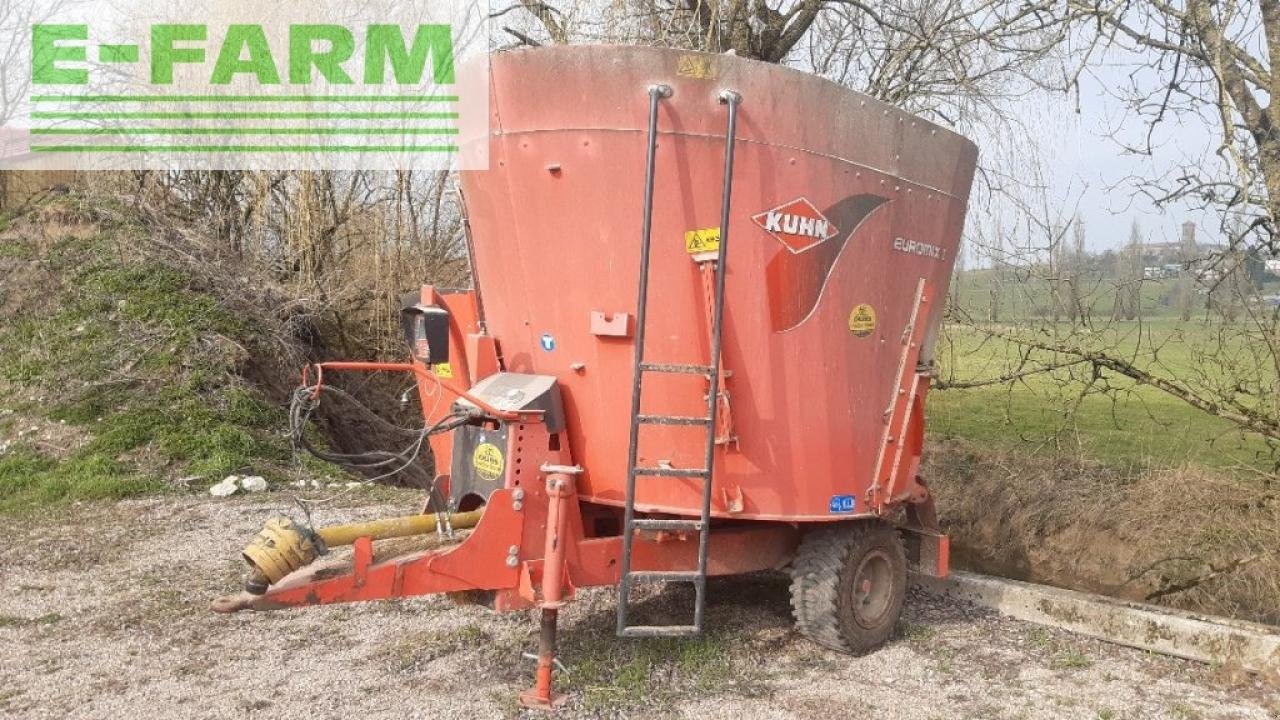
x,y
842,503
548,342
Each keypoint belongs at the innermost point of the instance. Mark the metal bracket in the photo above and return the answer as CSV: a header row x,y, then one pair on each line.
x,y
555,661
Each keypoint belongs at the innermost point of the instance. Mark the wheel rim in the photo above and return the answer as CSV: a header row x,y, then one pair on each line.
x,y
873,589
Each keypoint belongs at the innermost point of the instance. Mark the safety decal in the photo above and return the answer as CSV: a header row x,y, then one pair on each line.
x,y
698,67
798,225
862,320
443,370
488,461
842,503
701,241
548,342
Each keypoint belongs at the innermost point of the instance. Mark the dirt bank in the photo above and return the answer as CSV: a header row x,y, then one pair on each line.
x,y
1192,538
103,614
138,353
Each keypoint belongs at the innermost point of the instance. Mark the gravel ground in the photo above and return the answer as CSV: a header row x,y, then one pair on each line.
x,y
103,614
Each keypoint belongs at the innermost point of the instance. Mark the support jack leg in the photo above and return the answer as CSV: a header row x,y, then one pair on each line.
x,y
560,484
542,696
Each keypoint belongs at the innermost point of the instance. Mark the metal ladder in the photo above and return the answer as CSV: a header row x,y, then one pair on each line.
x,y
631,523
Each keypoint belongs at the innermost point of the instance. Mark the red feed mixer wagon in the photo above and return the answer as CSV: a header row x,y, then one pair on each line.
x,y
700,341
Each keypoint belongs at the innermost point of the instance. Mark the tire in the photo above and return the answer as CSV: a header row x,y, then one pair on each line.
x,y
848,583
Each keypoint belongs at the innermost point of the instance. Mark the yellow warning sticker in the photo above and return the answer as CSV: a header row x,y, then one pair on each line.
x,y
700,241
488,461
443,370
699,67
862,321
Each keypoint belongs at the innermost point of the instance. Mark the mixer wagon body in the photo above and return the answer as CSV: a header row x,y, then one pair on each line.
x,y
699,344
875,199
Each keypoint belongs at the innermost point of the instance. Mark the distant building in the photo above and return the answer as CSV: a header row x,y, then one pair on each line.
x,y
1161,261
1155,254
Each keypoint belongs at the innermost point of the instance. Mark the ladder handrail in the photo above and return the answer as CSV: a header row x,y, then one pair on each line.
x,y
731,99
630,523
656,93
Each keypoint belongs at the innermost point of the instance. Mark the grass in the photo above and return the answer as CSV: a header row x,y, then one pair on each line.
x,y
411,652
12,250
1039,637
14,621
917,633
1129,425
612,676
133,365
1026,295
30,481
1071,660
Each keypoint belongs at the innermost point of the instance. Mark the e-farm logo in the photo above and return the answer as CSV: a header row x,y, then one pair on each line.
x,y
245,50
296,84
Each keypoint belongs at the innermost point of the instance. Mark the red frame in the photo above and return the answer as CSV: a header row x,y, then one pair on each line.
x,y
516,516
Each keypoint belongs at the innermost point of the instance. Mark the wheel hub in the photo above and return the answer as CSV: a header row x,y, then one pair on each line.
x,y
872,589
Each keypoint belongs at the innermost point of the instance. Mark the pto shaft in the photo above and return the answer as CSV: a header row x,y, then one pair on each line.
x,y
387,528
283,546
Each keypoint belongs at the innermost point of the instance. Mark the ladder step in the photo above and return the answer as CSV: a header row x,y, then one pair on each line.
x,y
661,631
671,472
668,576
652,524
672,420
676,368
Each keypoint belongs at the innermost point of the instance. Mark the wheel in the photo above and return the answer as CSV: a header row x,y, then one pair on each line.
x,y
848,583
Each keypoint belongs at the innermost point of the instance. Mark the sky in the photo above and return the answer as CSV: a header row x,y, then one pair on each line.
x,y
1087,165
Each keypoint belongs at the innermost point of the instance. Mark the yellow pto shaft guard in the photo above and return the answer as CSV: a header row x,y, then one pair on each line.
x,y
283,546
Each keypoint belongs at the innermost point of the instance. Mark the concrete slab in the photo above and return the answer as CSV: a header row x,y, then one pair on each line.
x,y
1170,632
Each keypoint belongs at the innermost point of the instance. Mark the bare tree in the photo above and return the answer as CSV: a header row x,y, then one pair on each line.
x,y
1066,270
999,264
16,19
1196,62
945,57
1129,269
952,59
1188,254
1202,60
750,29
347,243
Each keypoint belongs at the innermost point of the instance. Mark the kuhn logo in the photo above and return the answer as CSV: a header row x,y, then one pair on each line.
x,y
796,277
798,225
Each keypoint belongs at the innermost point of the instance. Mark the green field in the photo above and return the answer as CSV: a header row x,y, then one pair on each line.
x,y
1025,294
1110,417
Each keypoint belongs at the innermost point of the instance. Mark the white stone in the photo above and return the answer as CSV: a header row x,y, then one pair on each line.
x,y
253,483
226,488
